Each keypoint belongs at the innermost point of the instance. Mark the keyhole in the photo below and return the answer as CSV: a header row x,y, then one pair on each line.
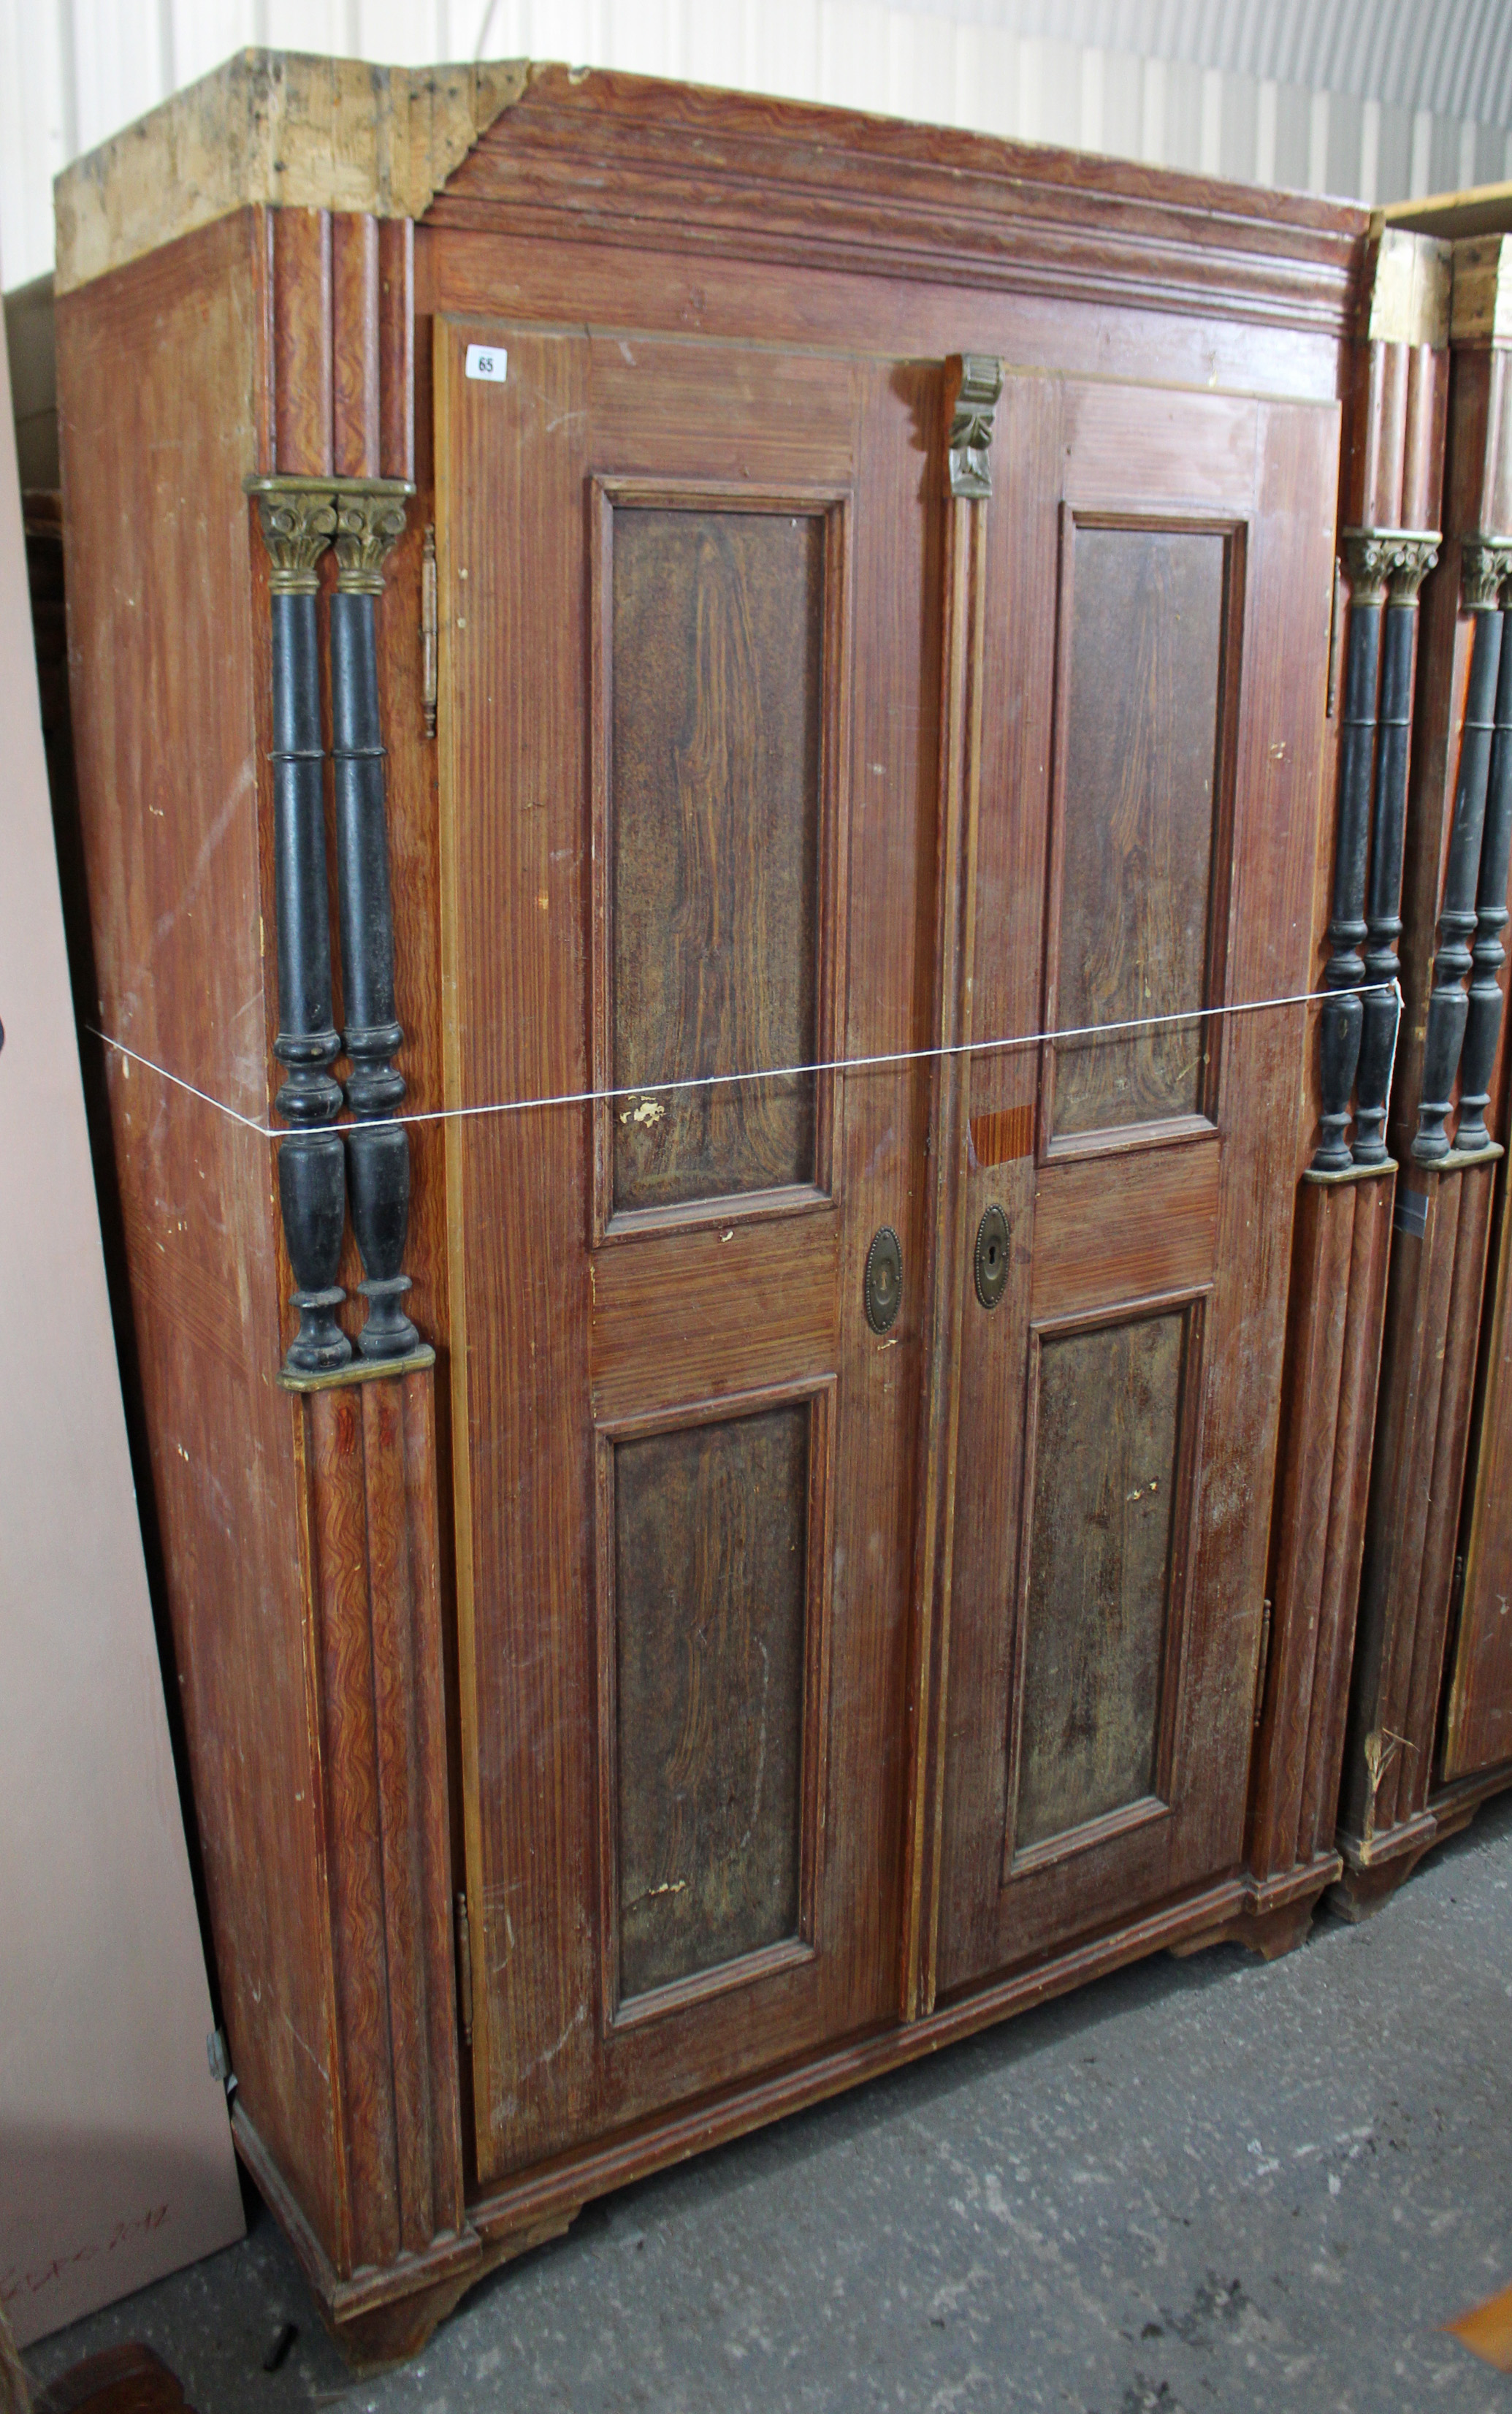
x,y
992,1257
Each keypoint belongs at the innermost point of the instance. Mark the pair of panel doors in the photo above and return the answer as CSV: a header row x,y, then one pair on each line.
x,y
693,693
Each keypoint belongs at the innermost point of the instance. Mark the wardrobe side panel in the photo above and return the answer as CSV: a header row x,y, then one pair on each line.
x,y
161,375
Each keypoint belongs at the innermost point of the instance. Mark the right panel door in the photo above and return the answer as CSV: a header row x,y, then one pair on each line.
x,y
1158,593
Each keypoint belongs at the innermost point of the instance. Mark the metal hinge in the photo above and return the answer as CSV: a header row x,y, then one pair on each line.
x,y
463,1968
1263,1669
429,625
1457,1608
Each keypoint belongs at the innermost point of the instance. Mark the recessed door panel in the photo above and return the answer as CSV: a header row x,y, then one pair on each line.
x,y
1143,746
715,664
1106,1409
711,1597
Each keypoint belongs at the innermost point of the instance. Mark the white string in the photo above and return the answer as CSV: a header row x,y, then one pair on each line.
x,y
1396,1035
783,1072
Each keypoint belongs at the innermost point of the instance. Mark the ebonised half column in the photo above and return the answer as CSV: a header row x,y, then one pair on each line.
x,y
1483,1021
1366,558
1410,559
298,520
1486,562
370,518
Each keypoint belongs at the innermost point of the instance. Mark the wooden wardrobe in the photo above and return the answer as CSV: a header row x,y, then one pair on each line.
x,y
669,637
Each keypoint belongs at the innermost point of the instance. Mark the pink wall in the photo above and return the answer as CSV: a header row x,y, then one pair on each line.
x,y
116,2154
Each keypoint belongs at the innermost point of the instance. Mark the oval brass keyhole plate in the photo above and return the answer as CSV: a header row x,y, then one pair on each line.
x,y
884,1279
992,1257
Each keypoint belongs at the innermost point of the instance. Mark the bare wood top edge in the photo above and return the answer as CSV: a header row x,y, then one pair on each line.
x,y
274,126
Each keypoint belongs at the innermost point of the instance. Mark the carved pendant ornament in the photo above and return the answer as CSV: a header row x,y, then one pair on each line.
x,y
322,1171
970,427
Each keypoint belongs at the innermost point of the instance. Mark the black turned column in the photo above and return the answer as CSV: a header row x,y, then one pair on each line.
x,y
1485,563
1483,1021
1365,560
299,521
1412,558
371,517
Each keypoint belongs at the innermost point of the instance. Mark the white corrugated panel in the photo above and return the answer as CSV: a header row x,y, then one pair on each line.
x,y
1343,96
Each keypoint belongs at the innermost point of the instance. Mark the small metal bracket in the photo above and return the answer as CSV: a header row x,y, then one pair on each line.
x,y
884,1279
1262,1665
218,2055
429,625
464,1966
992,1237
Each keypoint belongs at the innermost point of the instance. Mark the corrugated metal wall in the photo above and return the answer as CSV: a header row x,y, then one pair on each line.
x,y
1378,99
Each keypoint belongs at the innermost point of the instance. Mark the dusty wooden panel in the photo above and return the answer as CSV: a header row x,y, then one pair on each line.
x,y
273,126
717,703
159,372
1478,1721
354,344
1099,1572
1163,1238
301,314
710,1580
1141,775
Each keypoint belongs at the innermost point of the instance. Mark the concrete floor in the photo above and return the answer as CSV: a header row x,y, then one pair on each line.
x,y
1197,2186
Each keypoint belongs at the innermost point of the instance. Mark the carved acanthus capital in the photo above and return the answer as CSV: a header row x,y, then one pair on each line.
x,y
298,518
1387,562
370,521
1485,567
970,427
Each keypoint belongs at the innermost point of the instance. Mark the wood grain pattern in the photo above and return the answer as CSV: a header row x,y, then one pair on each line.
x,y
1477,1726
301,320
1427,1382
667,167
396,347
1107,1412
772,295
711,1583
368,1446
349,1758
962,640
715,666
1341,1254
1142,747
1090,1240
355,427
163,375
558,1329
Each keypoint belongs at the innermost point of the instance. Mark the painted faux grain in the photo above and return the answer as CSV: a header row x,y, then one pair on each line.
x,y
1108,1413
710,1588
355,428
716,662
396,347
656,1319
1115,1224
303,365
170,748
392,1610
349,1766
1143,764
432,1805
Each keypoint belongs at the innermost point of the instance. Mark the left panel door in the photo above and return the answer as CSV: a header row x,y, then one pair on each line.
x,y
688,806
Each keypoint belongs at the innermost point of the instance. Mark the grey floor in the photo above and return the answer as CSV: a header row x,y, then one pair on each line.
x,y
1195,2185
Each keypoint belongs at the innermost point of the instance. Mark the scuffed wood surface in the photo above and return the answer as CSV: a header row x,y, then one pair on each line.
x,y
275,126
